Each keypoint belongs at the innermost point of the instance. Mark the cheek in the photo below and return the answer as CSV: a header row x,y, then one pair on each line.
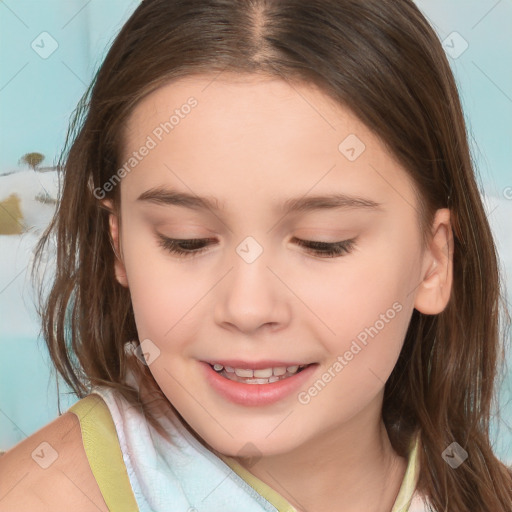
x,y
369,332
163,293
367,305
356,291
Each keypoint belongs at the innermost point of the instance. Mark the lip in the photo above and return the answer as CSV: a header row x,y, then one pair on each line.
x,y
254,395
248,365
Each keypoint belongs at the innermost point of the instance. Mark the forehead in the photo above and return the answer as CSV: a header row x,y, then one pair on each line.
x,y
232,107
214,134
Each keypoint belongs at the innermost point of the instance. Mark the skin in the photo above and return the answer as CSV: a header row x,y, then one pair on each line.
x,y
252,142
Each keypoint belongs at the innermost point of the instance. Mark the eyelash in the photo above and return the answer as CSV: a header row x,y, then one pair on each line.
x,y
322,249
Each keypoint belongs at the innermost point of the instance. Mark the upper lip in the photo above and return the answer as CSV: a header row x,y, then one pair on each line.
x,y
254,365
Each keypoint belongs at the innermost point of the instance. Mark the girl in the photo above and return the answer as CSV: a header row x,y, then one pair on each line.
x,y
276,285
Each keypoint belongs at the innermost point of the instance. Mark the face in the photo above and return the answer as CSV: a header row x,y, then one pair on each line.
x,y
260,289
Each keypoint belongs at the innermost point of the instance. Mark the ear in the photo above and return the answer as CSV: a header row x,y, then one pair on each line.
x,y
433,293
114,227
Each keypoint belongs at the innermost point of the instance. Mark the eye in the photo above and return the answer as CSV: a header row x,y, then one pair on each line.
x,y
184,248
327,249
195,246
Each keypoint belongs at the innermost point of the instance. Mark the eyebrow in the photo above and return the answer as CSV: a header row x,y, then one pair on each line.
x,y
163,196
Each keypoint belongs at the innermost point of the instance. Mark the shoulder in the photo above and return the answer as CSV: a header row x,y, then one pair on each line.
x,y
49,470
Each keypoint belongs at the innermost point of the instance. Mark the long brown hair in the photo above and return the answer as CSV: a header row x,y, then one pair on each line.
x,y
381,59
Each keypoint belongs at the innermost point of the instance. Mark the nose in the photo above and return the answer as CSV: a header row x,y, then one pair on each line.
x,y
252,297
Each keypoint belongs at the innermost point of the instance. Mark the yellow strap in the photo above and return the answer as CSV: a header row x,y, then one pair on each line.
x,y
408,487
402,502
103,451
271,495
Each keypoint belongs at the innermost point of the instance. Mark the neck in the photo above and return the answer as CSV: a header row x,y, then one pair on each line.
x,y
354,467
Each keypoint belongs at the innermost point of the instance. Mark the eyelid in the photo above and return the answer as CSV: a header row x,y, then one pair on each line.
x,y
331,249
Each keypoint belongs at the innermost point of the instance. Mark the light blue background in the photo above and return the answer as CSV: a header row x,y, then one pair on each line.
x,y
37,97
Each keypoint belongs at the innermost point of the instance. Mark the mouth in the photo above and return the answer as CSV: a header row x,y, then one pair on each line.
x,y
257,384
258,373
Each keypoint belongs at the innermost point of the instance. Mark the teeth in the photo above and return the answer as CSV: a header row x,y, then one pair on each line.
x,y
264,374
244,373
261,376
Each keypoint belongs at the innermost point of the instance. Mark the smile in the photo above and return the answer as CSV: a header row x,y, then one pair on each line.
x,y
265,383
259,376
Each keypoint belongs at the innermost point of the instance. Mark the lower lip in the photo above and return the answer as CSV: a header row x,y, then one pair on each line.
x,y
256,394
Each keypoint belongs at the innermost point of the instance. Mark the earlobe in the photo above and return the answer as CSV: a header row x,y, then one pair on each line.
x,y
119,267
434,291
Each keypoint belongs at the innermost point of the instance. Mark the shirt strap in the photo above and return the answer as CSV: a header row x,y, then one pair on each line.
x,y
408,488
272,496
402,502
103,451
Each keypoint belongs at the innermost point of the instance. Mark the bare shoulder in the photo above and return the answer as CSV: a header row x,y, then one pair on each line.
x,y
49,471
